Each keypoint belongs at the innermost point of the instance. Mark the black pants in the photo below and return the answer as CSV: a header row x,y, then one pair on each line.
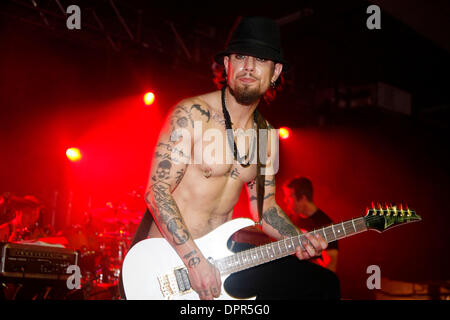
x,y
284,279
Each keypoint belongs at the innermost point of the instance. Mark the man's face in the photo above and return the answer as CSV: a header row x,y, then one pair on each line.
x,y
250,77
294,206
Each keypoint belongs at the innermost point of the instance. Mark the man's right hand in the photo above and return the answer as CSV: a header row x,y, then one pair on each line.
x,y
205,279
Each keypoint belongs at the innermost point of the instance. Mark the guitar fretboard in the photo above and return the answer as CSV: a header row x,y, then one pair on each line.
x,y
282,248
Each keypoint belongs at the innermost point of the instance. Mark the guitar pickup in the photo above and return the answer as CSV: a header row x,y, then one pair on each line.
x,y
181,275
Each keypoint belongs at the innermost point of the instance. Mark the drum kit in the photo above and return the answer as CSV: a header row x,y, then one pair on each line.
x,y
101,240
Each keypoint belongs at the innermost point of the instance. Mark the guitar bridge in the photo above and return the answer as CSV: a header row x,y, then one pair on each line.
x,y
175,283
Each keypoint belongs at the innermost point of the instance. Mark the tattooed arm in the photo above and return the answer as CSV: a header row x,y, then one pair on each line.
x,y
169,164
276,224
274,221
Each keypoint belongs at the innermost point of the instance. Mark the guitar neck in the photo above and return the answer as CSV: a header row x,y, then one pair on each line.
x,y
282,248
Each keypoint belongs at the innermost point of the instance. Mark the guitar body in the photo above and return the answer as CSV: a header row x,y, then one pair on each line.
x,y
153,258
152,270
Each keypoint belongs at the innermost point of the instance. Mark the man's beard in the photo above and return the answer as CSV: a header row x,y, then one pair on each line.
x,y
245,96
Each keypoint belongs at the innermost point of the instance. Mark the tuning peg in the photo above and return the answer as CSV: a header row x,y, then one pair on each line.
x,y
388,213
402,213
408,211
374,210
381,209
394,208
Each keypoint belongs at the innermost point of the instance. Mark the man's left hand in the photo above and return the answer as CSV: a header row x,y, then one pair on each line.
x,y
313,247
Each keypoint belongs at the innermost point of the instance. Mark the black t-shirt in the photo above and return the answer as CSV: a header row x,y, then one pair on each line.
x,y
317,221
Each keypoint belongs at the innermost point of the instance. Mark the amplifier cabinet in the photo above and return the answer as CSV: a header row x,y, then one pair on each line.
x,y
30,261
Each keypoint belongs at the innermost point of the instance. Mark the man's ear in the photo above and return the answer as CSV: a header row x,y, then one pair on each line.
x,y
277,71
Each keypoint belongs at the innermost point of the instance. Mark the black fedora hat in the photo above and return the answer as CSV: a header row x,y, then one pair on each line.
x,y
255,36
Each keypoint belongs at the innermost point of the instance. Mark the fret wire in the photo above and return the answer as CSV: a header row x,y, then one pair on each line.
x,y
244,256
285,246
353,222
300,242
262,254
252,255
350,229
255,253
271,247
273,250
330,234
292,241
324,234
343,228
332,228
268,254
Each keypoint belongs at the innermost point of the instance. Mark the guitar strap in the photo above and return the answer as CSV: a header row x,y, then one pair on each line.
x,y
260,178
147,220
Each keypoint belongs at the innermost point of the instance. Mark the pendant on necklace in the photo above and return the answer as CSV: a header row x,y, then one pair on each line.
x,y
207,172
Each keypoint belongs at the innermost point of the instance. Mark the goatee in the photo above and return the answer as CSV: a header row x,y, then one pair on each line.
x,y
245,96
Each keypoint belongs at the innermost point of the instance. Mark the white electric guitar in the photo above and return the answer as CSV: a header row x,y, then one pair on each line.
x,y
152,270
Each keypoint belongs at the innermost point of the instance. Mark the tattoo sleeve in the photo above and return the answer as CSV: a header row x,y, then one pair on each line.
x,y
167,213
277,219
167,172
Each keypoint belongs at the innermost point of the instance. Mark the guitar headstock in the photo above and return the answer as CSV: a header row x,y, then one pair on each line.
x,y
380,218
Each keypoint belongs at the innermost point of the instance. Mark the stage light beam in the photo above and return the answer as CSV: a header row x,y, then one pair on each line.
x,y
284,132
149,98
73,154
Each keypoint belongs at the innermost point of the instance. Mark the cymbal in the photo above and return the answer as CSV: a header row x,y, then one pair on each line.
x,y
16,202
11,205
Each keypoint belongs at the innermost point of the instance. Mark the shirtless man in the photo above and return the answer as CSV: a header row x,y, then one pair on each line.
x,y
190,200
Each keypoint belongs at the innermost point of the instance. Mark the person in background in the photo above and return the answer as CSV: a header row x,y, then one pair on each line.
x,y
305,214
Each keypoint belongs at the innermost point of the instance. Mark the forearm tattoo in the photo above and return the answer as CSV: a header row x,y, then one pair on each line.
x,y
193,259
167,212
253,198
270,183
179,233
280,223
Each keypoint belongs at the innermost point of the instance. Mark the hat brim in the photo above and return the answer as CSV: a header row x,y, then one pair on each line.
x,y
260,52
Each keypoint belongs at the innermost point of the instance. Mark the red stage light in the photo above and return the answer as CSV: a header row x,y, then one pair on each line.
x,y
284,132
149,98
73,154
